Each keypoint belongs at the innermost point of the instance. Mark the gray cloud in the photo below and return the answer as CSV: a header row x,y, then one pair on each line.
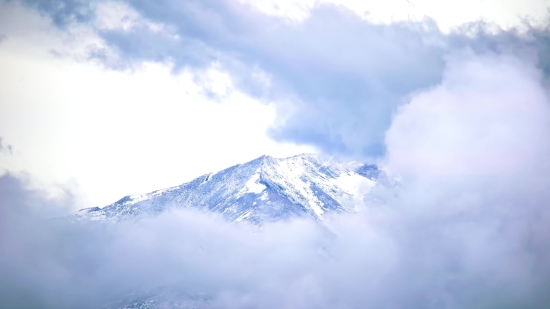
x,y
467,228
343,76
66,11
339,78
472,155
417,259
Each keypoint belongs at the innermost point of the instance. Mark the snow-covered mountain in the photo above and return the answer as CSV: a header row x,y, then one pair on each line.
x,y
262,190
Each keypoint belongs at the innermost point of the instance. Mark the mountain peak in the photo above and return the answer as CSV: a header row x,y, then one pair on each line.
x,y
264,189
265,159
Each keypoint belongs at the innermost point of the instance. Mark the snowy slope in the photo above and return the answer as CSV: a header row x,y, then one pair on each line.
x,y
265,189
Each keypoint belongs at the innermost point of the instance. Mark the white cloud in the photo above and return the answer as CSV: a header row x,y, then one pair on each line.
x,y
291,9
489,115
447,14
119,132
114,15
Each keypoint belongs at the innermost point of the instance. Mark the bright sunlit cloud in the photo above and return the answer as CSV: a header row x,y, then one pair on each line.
x,y
447,14
116,132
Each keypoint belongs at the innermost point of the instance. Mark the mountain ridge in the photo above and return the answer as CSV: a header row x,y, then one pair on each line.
x,y
261,190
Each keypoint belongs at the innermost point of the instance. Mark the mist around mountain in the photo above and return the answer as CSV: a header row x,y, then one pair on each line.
x,y
434,242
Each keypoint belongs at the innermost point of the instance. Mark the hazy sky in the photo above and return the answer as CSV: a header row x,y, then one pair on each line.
x,y
108,98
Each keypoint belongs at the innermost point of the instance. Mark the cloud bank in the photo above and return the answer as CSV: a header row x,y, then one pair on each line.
x,y
174,84
467,228
337,78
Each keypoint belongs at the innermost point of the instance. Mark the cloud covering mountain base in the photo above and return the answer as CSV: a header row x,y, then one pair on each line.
x,y
468,228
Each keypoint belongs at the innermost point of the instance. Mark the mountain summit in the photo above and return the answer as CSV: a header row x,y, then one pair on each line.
x,y
262,190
